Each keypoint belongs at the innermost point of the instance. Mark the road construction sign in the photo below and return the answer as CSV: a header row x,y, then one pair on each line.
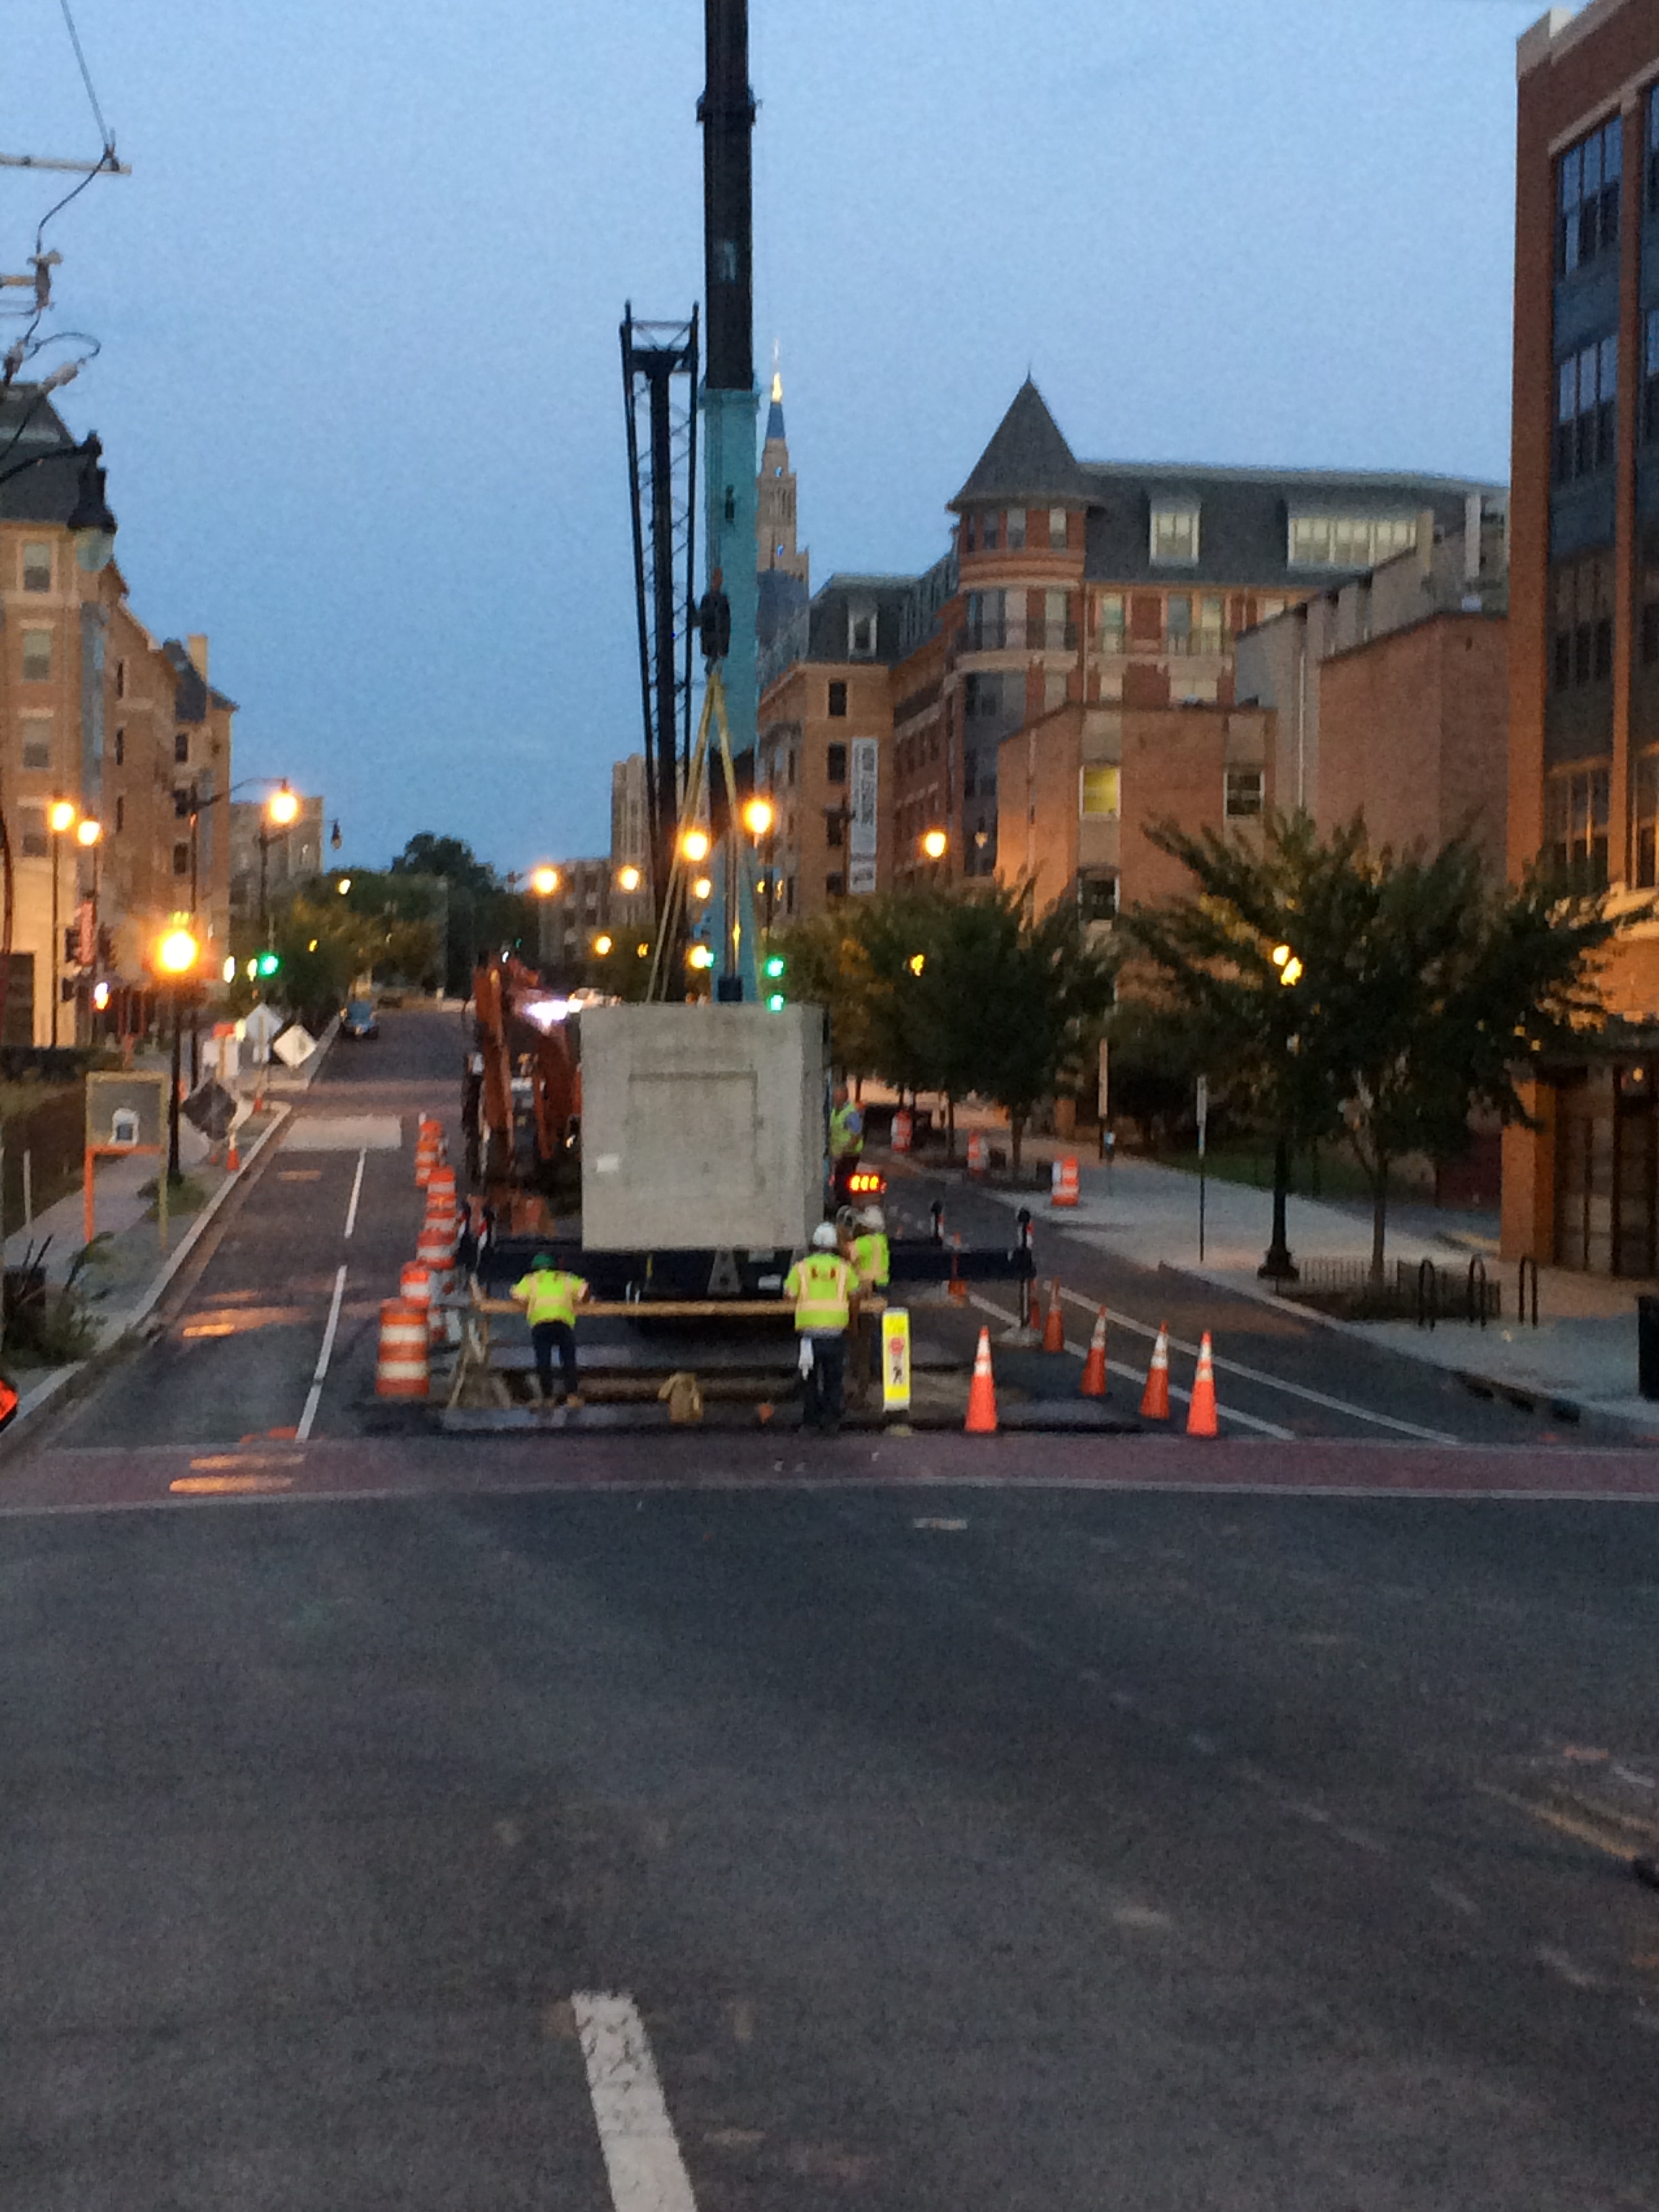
x,y
896,1360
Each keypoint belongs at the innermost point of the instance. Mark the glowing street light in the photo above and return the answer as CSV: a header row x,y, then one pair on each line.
x,y
603,946
88,832
758,816
176,955
703,888
1289,966
628,879
700,956
543,881
935,844
344,885
282,807
694,845
60,817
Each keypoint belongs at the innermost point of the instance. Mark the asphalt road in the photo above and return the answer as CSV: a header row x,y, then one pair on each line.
x,y
702,1824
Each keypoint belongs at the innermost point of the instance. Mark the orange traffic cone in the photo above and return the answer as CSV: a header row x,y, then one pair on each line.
x,y
1094,1367
1053,1328
981,1393
1200,1413
1155,1398
233,1157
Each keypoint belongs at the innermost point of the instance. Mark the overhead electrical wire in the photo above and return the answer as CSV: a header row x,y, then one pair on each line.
x,y
105,138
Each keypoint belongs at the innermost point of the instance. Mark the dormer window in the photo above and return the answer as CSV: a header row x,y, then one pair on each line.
x,y
1174,534
862,635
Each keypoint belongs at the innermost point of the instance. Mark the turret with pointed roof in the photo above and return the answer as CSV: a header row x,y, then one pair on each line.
x,y
783,566
1028,462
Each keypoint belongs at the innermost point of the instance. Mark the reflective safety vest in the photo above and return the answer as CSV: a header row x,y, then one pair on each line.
x,y
846,1133
873,1261
550,1295
822,1286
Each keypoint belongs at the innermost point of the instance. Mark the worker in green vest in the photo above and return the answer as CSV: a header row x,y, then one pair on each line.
x,y
873,1269
550,1297
846,1142
822,1285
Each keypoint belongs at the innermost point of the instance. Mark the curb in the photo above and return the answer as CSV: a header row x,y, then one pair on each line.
x,y
58,1382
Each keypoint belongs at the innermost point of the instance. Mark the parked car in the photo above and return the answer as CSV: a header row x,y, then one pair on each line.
x,y
359,1021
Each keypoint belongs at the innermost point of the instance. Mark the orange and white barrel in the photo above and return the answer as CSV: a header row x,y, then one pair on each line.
x,y
417,1286
979,1152
402,1367
439,1235
440,1190
903,1130
1063,1189
428,1153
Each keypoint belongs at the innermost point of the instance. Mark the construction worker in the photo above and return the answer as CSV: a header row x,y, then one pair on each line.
x,y
822,1286
846,1141
550,1298
872,1268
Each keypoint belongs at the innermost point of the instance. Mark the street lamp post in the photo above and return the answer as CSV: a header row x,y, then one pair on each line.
x,y
1277,1264
934,846
60,818
281,811
175,958
88,836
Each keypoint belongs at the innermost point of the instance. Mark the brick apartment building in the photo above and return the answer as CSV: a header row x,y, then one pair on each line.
x,y
95,712
1582,1188
1066,674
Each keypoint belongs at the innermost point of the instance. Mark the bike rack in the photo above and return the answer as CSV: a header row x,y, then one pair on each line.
x,y
1474,1294
1527,1270
1428,1294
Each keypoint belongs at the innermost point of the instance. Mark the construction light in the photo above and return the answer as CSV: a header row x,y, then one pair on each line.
x,y
700,956
89,832
282,807
60,817
935,844
544,882
177,953
628,879
230,967
270,963
758,817
916,962
100,996
602,945
694,845
703,888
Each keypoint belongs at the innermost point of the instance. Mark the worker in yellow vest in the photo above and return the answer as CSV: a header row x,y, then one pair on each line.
x,y
845,1143
871,1255
550,1297
823,1286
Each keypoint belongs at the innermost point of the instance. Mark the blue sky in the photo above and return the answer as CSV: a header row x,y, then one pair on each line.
x,y
358,305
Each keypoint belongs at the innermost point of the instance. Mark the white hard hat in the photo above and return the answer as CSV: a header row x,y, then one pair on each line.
x,y
824,1238
872,1218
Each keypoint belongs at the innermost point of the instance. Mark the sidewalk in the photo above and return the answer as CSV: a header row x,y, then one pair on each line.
x,y
1582,1353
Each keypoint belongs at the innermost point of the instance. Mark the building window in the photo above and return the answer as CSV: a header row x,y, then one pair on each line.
x,y
1111,621
181,802
1212,625
835,887
835,829
1097,896
120,815
1269,610
1576,823
837,707
835,764
1586,391
1015,521
1178,623
1586,198
37,656
1058,528
989,627
1174,533
1348,541
32,824
862,635
37,744
1244,796
120,679
181,746
121,746
1582,624
181,859
1098,790
37,566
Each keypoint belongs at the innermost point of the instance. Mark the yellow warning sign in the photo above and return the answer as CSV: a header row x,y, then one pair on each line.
x,y
896,1360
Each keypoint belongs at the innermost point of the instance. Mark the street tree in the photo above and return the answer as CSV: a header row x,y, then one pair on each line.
x,y
1379,995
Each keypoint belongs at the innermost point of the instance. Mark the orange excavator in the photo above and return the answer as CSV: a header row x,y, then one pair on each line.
x,y
521,1038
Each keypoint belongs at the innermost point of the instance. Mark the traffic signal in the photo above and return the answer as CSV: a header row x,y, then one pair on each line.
x,y
773,970
270,963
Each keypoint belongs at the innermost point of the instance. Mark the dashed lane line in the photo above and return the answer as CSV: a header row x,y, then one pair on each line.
x,y
357,1192
1132,1374
642,2158
314,1396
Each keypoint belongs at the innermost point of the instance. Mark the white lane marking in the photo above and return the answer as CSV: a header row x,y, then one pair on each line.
x,y
314,1395
1448,1893
357,1192
1271,1381
641,2156
1133,1375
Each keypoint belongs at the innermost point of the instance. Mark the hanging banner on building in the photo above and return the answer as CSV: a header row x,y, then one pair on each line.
x,y
864,797
86,934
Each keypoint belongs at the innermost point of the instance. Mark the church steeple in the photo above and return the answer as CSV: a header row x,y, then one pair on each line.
x,y
776,549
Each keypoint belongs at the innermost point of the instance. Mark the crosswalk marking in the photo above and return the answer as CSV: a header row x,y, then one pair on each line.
x,y
642,2154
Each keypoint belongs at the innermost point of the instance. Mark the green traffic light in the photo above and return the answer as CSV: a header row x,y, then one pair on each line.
x,y
270,963
776,1003
774,964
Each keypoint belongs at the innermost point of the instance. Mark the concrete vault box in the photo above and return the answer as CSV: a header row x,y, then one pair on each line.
x,y
702,1127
